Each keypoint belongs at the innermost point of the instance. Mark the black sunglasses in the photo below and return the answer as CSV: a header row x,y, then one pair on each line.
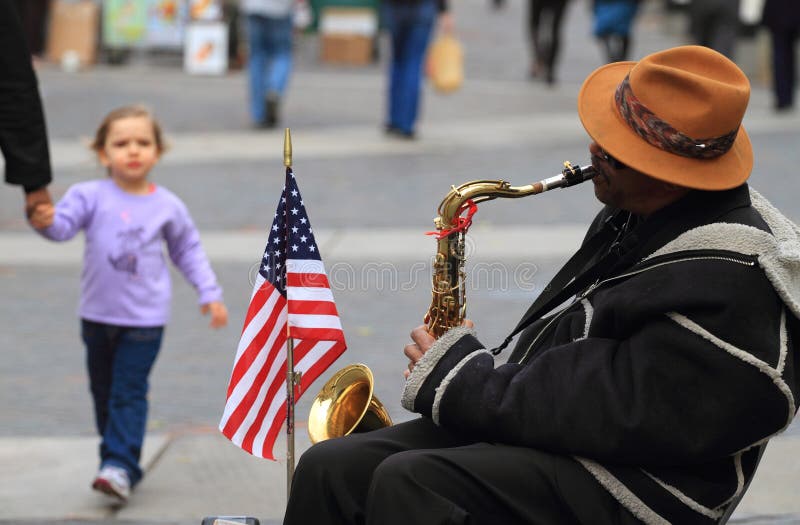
x,y
617,165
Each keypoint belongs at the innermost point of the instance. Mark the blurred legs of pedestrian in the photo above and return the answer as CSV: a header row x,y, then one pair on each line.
x,y
715,24
612,25
544,31
410,26
269,66
230,13
119,360
784,60
616,46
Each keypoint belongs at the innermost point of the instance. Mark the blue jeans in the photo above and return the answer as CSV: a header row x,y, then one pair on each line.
x,y
410,27
119,360
270,60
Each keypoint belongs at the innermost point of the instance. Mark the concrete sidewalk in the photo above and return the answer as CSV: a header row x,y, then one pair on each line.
x,y
197,473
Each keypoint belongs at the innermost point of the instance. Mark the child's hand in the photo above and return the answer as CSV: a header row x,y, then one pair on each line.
x,y
42,215
219,314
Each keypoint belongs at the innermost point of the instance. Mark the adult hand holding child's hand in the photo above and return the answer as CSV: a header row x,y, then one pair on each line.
x,y
42,215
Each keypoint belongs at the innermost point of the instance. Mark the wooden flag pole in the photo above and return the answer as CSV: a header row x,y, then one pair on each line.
x,y
292,378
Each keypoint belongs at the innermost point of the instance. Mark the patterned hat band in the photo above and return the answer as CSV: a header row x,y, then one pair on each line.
x,y
661,135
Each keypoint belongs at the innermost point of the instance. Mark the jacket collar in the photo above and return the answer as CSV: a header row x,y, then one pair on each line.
x,y
695,209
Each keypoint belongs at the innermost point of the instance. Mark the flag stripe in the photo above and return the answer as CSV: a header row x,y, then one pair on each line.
x,y
313,308
307,280
314,321
312,364
304,266
318,366
248,395
322,334
277,393
264,326
309,294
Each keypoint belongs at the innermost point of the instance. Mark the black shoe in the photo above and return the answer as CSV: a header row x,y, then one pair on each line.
x,y
263,125
550,78
393,131
272,102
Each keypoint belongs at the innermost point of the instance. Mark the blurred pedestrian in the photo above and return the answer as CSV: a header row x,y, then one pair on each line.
x,y
612,25
410,24
23,133
544,32
125,283
34,14
782,17
715,24
269,62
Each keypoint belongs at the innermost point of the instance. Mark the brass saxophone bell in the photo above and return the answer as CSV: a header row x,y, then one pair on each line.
x,y
346,404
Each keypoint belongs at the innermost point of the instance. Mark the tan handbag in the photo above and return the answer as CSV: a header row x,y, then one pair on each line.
x,y
445,64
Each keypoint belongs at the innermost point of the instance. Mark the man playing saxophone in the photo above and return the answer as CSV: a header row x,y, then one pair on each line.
x,y
649,375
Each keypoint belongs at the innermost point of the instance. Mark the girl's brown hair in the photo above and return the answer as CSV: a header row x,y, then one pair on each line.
x,y
123,112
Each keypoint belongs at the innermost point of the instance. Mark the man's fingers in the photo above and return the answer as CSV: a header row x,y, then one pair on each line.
x,y
422,337
413,352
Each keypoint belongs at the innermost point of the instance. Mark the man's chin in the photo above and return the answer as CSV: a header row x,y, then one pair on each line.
x,y
601,191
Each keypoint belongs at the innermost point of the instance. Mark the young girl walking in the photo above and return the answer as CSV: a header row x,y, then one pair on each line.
x,y
125,283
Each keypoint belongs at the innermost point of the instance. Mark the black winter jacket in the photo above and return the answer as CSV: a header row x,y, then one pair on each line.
x,y
664,377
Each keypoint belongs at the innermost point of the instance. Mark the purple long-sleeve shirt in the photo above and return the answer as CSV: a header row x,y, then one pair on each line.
x,y
125,279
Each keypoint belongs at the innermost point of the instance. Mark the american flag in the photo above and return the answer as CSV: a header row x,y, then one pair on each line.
x,y
291,298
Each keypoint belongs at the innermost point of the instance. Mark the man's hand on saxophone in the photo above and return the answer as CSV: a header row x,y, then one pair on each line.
x,y
423,340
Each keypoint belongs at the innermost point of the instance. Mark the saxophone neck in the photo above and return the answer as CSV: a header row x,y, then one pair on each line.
x,y
484,190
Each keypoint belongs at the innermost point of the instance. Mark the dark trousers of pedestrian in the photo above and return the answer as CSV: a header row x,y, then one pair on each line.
x,y
269,65
784,60
715,24
612,25
417,472
544,30
410,26
119,360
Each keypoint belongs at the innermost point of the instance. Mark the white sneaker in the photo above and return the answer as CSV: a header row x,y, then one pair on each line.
x,y
113,481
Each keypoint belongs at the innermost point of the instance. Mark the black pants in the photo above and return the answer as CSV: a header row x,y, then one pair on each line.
x,y
715,24
544,30
416,472
783,64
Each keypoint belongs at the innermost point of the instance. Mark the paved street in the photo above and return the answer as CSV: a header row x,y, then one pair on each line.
x,y
370,199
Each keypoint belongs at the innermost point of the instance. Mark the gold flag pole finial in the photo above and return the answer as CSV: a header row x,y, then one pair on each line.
x,y
287,148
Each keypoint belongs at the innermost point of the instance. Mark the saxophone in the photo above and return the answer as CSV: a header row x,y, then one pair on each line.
x,y
449,301
346,403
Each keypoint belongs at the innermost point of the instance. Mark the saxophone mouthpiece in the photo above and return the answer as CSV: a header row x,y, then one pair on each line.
x,y
575,174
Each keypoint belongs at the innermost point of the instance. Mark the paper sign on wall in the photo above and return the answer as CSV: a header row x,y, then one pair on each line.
x,y
205,51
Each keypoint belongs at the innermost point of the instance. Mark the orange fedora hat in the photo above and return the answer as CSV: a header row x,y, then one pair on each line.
x,y
675,115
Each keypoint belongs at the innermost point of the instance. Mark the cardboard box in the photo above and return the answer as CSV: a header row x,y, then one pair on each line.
x,y
347,35
346,49
73,31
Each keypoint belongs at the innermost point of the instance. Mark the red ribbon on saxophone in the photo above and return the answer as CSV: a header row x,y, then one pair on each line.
x,y
460,223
